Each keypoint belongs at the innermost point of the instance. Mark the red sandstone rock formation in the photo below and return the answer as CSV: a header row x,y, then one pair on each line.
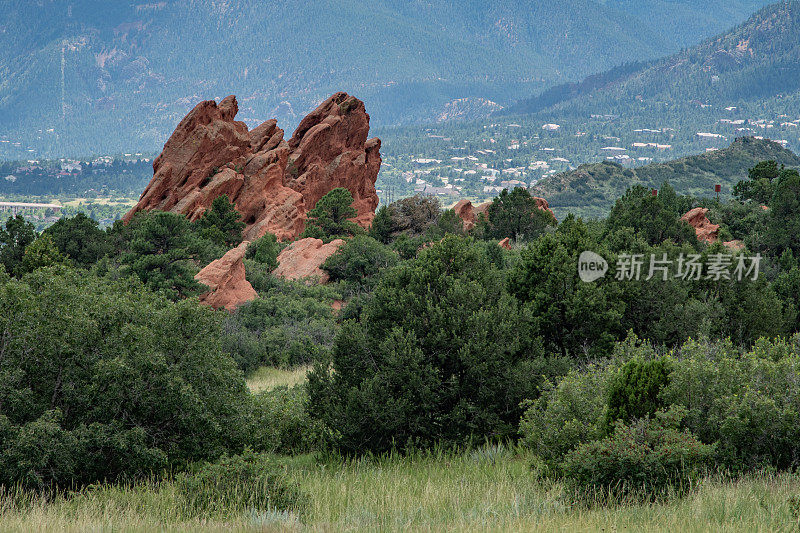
x,y
505,243
542,204
466,213
225,278
703,228
706,231
272,182
303,258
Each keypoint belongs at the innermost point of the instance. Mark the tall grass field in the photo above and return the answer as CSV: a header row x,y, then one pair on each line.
x,y
489,488
484,490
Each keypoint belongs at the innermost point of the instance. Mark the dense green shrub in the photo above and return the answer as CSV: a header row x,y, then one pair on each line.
x,y
359,262
747,402
280,422
408,247
280,330
413,216
80,239
646,458
246,483
102,379
265,251
634,391
567,414
439,356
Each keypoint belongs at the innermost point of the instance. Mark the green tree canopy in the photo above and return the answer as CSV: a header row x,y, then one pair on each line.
x,y
42,253
80,239
330,218
759,186
16,236
655,217
359,262
222,224
382,227
439,355
101,379
158,248
783,224
516,215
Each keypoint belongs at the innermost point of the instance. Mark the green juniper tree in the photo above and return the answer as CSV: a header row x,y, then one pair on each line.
x,y
330,218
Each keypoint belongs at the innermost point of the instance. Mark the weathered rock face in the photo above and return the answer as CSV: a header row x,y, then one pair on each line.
x,y
505,243
330,149
303,258
225,277
703,228
272,182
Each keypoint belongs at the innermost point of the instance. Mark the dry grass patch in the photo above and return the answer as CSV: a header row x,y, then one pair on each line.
x,y
267,378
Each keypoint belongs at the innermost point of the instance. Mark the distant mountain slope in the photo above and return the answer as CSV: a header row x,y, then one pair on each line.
x,y
88,76
591,189
756,60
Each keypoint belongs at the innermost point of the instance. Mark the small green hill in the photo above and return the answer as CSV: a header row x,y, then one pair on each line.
x,y
591,189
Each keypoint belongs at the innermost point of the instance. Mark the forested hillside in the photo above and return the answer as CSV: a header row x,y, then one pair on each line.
x,y
87,77
756,60
591,189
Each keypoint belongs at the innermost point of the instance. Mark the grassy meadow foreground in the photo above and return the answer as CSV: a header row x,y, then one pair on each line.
x,y
489,488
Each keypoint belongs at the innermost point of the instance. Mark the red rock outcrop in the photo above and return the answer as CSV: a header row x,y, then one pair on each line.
x,y
542,204
272,182
466,213
303,258
703,228
505,243
225,277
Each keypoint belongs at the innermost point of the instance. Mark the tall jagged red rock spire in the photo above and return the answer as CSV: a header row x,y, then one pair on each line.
x,y
272,182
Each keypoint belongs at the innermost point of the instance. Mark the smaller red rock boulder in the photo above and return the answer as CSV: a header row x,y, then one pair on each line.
x,y
303,258
703,228
225,277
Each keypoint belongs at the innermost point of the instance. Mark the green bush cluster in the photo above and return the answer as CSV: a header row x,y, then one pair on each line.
x,y
280,422
279,329
101,379
646,458
738,411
